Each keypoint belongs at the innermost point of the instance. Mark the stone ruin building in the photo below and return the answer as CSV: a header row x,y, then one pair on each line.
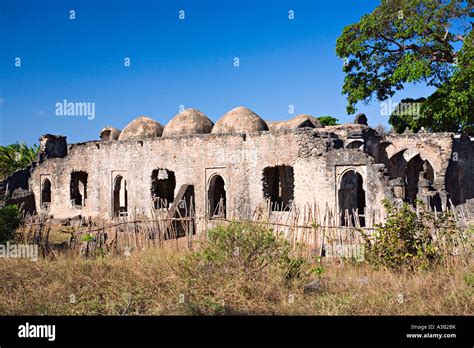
x,y
241,163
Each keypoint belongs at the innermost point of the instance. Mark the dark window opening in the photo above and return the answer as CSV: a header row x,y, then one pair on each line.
x,y
163,184
278,187
217,197
417,168
351,199
120,196
78,188
46,192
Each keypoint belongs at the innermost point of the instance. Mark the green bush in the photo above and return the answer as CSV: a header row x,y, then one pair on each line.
x,y
10,220
408,240
251,246
240,266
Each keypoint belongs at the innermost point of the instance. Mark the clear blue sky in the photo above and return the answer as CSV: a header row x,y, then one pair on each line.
x,y
173,62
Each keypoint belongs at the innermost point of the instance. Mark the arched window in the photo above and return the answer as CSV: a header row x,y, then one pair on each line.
x,y
216,196
120,204
78,188
46,192
351,198
163,184
278,187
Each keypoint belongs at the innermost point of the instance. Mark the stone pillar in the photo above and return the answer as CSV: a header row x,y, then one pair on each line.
x,y
399,186
424,191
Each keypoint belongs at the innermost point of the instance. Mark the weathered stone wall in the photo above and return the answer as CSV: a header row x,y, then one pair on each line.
x,y
238,158
434,147
459,174
319,157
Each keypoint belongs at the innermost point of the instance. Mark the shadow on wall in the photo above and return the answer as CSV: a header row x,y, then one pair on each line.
x,y
411,177
460,172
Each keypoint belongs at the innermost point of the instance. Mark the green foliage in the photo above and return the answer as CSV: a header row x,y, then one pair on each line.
x,y
469,279
16,156
88,238
251,246
10,220
319,271
328,120
406,41
407,115
406,239
450,108
244,260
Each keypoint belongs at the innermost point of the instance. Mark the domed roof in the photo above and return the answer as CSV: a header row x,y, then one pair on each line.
x,y
300,121
142,127
109,133
303,120
240,120
189,121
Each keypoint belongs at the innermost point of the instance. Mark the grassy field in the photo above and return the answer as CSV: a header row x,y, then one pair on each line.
x,y
162,282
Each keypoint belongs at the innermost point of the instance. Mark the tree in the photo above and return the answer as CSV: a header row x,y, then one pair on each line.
x,y
406,41
407,114
451,107
16,156
328,120
10,220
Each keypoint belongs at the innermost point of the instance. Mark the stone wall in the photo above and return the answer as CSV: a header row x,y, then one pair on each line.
x,y
239,158
319,158
460,170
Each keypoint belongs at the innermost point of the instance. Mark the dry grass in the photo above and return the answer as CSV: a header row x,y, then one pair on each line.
x,y
159,282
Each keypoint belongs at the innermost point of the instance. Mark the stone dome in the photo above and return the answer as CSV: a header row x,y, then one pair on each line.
x,y
189,121
109,133
300,121
304,120
142,127
240,120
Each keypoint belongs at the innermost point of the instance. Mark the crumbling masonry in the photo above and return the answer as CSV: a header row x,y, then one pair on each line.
x,y
240,163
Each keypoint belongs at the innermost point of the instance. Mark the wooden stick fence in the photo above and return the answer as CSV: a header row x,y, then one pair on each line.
x,y
314,230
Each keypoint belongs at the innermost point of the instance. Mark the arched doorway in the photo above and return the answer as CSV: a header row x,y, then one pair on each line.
x,y
120,196
46,192
414,167
351,197
216,196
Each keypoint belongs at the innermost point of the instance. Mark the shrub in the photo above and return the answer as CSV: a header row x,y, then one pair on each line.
x,y
251,246
10,220
328,120
241,266
411,240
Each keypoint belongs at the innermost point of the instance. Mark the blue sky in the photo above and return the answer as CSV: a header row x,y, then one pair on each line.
x,y
174,62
